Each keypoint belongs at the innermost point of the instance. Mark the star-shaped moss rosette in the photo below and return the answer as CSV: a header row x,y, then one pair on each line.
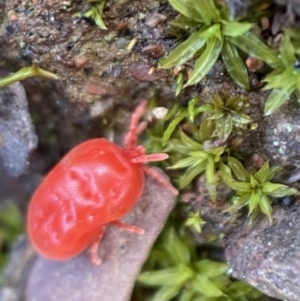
x,y
185,151
195,221
213,32
253,190
179,274
199,159
222,116
284,80
197,152
225,114
163,127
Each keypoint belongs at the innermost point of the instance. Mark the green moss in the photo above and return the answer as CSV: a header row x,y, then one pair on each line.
x,y
25,73
198,159
213,33
225,115
178,273
285,79
94,12
11,225
195,221
253,190
202,151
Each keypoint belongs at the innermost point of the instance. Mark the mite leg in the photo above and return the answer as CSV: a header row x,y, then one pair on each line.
x,y
134,128
127,227
144,158
95,246
161,179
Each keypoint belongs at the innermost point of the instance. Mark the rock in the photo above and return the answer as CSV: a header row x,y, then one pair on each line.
x,y
123,254
17,133
268,256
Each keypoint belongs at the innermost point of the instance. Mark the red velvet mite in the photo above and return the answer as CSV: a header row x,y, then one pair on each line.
x,y
95,184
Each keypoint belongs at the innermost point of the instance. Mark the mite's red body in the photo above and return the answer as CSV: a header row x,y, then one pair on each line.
x,y
96,183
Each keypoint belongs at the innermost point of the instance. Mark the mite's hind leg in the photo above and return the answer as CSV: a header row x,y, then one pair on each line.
x,y
127,227
160,178
95,246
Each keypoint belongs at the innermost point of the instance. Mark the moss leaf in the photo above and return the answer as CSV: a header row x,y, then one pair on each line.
x,y
254,200
171,276
262,174
234,65
178,251
240,201
280,79
235,29
240,118
191,109
187,295
204,285
189,161
265,207
238,169
241,187
187,8
206,129
191,143
276,99
287,51
208,11
224,127
191,173
166,293
172,126
206,61
253,46
211,268
277,190
183,52
225,172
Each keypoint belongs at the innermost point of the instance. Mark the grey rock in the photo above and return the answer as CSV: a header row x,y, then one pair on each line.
x,y
268,256
17,133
